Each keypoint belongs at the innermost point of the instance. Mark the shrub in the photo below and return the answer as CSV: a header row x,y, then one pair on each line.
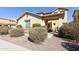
x,y
36,25
70,31
65,30
19,26
76,32
16,32
4,30
38,34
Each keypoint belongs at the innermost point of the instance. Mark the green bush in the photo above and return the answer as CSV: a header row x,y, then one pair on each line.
x,y
4,30
16,32
65,31
19,26
36,25
70,31
76,32
38,34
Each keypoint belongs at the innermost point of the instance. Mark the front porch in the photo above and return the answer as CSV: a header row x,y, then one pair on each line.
x,y
52,21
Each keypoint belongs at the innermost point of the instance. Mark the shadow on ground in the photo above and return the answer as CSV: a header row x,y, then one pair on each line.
x,y
70,46
30,39
34,41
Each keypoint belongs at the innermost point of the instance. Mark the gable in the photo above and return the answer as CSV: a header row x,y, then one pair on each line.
x,y
31,14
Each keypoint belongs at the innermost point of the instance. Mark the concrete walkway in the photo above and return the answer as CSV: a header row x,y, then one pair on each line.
x,y
7,46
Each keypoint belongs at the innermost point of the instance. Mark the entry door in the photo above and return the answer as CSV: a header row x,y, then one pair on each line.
x,y
49,25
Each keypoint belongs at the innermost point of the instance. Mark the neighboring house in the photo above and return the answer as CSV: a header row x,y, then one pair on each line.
x,y
53,20
7,22
76,15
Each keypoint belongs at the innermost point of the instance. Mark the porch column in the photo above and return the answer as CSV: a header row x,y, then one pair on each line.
x,y
60,22
43,23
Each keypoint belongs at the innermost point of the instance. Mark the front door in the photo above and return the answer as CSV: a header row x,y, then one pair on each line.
x,y
49,25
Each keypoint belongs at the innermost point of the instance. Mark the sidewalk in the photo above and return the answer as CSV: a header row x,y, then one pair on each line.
x,y
7,46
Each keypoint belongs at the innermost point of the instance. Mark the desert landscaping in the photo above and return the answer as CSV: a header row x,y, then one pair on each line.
x,y
41,31
51,43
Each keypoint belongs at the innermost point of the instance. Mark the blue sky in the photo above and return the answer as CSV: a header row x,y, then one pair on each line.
x,y
15,12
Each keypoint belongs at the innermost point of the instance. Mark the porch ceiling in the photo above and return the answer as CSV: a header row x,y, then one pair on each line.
x,y
53,17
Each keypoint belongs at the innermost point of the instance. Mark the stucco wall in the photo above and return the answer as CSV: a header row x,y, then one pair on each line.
x,y
65,17
59,22
56,24
32,20
36,20
21,20
6,21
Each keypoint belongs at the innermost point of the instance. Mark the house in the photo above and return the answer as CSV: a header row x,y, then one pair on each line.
x,y
52,20
76,15
27,19
7,22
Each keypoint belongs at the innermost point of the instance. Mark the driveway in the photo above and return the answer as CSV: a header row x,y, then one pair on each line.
x,y
7,46
52,43
55,43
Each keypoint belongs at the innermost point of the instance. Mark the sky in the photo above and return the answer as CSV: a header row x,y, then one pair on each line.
x,y
15,12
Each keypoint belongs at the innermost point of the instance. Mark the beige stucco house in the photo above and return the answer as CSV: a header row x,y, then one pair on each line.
x,y
53,20
7,22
